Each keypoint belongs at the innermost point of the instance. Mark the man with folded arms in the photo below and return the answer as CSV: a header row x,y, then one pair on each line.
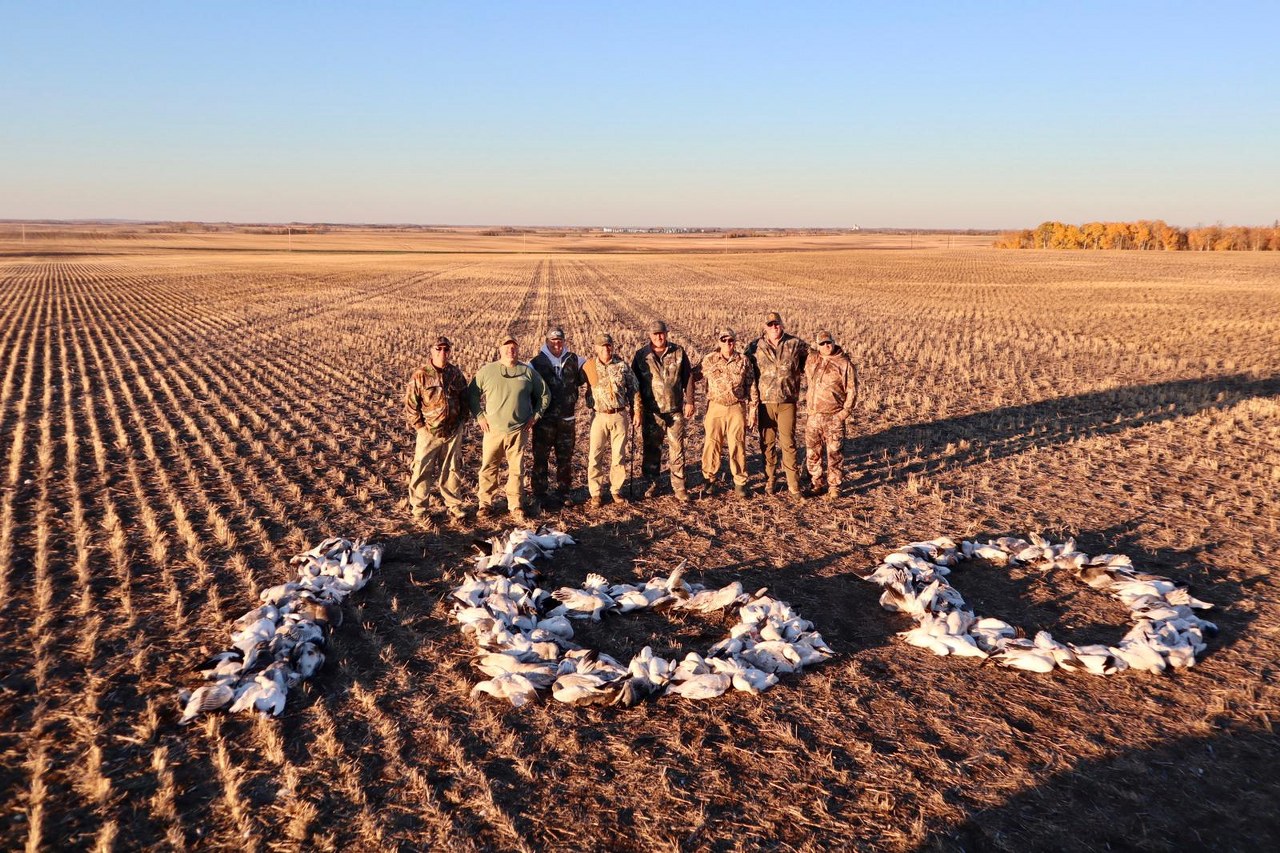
x,y
778,359
732,399
507,397
612,394
435,406
666,403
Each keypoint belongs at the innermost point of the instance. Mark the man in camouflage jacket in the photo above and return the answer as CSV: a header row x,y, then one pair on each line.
x,y
666,403
732,400
435,405
779,360
612,395
833,391
561,371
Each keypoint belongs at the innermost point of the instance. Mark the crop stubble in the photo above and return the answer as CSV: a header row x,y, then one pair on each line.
x,y
173,424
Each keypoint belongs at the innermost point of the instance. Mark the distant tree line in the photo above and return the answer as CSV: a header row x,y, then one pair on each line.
x,y
1143,234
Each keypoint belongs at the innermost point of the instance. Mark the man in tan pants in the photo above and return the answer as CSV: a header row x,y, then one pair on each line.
x,y
613,395
507,397
435,406
732,398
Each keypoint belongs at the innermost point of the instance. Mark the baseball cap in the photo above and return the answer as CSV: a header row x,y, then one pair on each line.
x,y
502,339
657,326
726,332
772,317
824,337
555,333
604,338
442,341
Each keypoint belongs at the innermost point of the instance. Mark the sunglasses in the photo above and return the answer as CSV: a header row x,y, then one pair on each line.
x,y
443,349
826,343
773,323
728,340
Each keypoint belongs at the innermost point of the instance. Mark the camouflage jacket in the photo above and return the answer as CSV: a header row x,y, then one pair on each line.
x,y
562,386
729,380
665,381
436,400
778,369
833,384
610,386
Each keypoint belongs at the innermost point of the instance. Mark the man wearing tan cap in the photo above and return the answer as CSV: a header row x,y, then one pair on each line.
x,y
561,372
665,377
833,391
435,406
778,359
732,399
612,395
507,397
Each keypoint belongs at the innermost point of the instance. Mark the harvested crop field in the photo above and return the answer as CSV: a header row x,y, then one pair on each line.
x,y
177,419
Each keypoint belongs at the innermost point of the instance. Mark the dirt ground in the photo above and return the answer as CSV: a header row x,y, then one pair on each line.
x,y
175,421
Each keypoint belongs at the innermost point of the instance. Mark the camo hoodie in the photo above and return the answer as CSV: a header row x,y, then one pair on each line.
x,y
833,383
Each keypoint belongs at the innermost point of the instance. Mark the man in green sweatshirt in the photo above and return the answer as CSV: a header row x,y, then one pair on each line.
x,y
507,398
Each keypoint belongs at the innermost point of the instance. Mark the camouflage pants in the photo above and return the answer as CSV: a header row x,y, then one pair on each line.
x,y
553,434
658,428
435,466
824,443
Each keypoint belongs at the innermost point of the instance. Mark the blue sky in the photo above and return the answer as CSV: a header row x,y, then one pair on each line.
x,y
928,115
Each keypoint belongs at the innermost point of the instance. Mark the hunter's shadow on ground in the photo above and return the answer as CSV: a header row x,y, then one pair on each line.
x,y
1009,431
1143,799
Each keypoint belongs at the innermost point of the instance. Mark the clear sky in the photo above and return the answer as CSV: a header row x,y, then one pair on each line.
x,y
929,115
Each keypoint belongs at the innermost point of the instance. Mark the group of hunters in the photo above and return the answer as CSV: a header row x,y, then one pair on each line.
x,y
515,402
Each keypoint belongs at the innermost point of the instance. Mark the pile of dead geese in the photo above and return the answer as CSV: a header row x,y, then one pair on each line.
x,y
282,642
1166,631
524,633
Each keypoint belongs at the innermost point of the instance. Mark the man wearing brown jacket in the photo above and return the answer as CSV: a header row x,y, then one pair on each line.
x,y
435,405
779,360
833,391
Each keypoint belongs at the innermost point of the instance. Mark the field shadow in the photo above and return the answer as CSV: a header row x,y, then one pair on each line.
x,y
1011,430
1213,793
